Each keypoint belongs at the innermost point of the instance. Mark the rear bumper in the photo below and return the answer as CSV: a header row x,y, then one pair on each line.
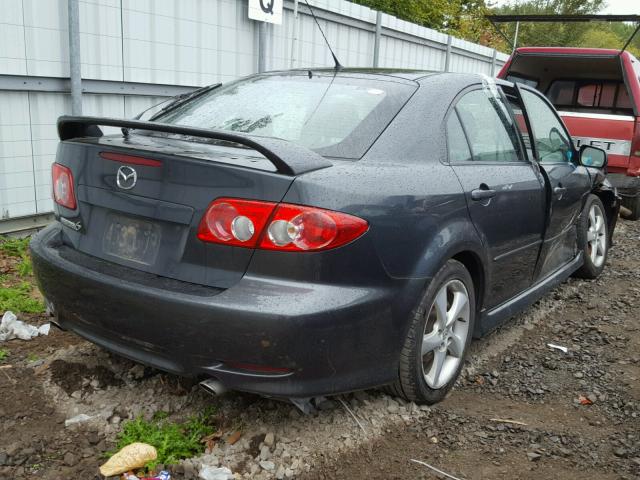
x,y
332,339
626,185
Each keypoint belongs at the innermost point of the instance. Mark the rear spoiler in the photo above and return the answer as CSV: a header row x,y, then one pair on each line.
x,y
288,158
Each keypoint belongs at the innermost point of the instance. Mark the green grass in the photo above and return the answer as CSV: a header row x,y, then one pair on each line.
x,y
173,441
18,299
18,247
32,357
4,353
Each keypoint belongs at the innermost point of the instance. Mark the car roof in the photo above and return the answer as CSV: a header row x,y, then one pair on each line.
x,y
404,74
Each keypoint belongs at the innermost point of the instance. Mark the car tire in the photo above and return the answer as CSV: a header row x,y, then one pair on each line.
x,y
633,205
593,238
438,337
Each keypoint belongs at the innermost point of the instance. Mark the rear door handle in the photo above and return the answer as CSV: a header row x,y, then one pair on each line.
x,y
482,194
559,190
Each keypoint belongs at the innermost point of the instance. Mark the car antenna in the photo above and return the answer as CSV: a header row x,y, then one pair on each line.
x,y
337,66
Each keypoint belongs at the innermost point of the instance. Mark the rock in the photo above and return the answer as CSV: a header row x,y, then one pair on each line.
x,y
190,470
269,439
137,372
578,375
93,438
115,420
280,472
69,459
620,452
265,453
95,383
267,465
533,456
215,473
77,394
3,458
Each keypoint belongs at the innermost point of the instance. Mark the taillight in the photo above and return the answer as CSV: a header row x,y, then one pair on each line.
x,y
62,180
299,228
234,222
270,226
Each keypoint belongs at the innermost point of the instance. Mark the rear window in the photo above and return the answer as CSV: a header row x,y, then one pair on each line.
x,y
333,115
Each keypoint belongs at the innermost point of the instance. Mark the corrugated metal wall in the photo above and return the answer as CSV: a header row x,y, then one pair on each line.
x,y
173,42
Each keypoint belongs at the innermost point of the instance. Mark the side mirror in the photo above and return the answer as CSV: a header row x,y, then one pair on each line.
x,y
592,157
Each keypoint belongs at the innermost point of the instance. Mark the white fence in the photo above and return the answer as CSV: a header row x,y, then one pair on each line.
x,y
134,52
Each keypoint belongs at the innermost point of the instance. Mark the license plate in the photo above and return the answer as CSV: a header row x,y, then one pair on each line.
x,y
132,239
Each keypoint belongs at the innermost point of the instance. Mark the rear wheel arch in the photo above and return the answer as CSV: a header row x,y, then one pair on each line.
x,y
473,263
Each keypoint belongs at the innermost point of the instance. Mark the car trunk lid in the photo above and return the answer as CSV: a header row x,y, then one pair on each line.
x,y
141,198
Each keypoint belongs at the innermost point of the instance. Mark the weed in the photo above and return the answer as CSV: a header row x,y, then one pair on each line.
x,y
32,357
173,441
24,267
4,353
18,299
16,247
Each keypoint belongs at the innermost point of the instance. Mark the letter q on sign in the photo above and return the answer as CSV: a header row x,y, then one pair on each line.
x,y
266,11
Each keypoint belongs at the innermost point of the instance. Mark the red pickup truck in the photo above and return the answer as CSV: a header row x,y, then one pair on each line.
x,y
597,93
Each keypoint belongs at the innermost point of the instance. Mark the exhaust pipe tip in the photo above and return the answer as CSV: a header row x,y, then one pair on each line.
x,y
213,386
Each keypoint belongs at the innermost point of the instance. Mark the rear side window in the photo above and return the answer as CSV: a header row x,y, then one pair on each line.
x,y
337,116
456,140
489,127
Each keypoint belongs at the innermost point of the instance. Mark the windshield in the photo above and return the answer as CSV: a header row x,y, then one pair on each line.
x,y
333,115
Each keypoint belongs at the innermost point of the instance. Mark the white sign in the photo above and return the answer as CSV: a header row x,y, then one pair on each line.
x,y
266,10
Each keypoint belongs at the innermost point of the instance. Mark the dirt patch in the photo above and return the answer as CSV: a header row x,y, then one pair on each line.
x,y
72,377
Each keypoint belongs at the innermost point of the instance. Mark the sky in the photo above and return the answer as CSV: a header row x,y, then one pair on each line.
x,y
619,7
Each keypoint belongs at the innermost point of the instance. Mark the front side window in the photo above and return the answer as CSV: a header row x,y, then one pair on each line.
x,y
550,137
489,127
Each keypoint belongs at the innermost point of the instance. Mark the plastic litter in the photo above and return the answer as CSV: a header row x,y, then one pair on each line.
x,y
163,475
132,456
82,418
11,327
215,473
558,347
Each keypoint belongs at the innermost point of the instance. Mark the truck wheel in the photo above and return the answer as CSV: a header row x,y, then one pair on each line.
x,y
438,338
632,204
593,238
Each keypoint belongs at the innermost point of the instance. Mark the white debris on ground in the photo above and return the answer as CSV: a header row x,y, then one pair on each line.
x,y
11,327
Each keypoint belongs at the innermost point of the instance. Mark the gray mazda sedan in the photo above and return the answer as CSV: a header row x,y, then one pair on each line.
x,y
304,233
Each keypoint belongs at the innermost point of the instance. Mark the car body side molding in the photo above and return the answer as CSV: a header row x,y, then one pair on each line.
x,y
491,319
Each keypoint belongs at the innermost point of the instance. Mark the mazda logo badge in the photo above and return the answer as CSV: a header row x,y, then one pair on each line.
x,y
126,177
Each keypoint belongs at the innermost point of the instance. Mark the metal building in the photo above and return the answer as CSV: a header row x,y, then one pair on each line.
x,y
122,56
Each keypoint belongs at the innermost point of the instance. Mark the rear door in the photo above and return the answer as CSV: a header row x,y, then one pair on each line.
x,y
504,191
567,182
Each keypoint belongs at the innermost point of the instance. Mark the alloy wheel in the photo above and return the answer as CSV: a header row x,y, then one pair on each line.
x,y
596,236
445,335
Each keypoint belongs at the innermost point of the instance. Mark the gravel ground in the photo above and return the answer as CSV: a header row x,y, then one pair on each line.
x,y
577,412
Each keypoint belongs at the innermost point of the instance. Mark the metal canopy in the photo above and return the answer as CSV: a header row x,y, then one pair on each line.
x,y
495,19
562,18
